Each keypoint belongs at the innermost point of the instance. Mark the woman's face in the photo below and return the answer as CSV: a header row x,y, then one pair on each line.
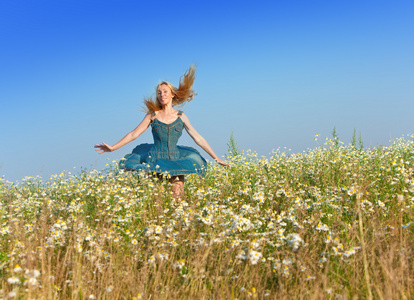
x,y
164,94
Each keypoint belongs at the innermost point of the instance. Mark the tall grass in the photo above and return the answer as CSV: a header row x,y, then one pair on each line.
x,y
332,223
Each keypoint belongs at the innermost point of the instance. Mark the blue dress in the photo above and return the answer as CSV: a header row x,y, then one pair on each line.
x,y
165,155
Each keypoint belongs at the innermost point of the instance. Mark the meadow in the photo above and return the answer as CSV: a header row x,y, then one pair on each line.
x,y
333,222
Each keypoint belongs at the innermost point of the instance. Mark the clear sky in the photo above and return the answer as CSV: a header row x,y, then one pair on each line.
x,y
275,73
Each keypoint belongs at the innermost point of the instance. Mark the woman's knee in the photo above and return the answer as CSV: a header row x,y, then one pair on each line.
x,y
177,186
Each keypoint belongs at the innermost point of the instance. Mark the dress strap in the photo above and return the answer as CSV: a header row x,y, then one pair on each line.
x,y
180,112
153,114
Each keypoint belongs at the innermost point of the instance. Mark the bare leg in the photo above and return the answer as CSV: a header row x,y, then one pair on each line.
x,y
160,181
177,186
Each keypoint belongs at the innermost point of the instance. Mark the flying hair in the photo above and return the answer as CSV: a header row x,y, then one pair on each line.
x,y
184,92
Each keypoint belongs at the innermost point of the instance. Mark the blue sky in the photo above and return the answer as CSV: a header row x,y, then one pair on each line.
x,y
275,73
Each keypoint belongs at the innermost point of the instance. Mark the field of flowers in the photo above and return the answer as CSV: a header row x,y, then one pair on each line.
x,y
335,222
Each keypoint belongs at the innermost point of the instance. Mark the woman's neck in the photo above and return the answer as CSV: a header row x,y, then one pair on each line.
x,y
167,109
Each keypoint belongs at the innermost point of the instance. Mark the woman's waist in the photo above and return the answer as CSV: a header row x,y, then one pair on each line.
x,y
164,152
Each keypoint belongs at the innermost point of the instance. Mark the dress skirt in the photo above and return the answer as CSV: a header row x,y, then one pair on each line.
x,y
189,161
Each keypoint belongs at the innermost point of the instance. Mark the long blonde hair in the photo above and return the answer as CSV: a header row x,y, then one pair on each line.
x,y
184,93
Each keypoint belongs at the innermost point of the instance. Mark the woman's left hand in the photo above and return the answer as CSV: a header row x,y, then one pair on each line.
x,y
222,162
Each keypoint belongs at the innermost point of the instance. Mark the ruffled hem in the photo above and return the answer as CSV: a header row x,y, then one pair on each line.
x,y
189,161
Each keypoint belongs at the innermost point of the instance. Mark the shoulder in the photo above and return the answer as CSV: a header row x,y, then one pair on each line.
x,y
186,122
149,115
183,116
148,118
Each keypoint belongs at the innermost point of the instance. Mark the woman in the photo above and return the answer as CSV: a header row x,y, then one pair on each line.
x,y
167,124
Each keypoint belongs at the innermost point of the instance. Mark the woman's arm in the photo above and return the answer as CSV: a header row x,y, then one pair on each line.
x,y
126,139
199,140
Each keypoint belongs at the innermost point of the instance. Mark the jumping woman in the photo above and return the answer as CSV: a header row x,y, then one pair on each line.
x,y
164,156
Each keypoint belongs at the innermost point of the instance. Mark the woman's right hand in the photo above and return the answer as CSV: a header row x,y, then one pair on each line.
x,y
103,148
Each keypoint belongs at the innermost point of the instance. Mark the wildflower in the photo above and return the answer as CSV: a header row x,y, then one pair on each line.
x,y
4,230
270,225
294,240
323,259
322,227
158,229
286,271
259,197
29,227
352,191
32,281
303,268
241,255
163,256
406,225
78,248
36,273
380,203
254,244
109,289
13,280
179,264
134,242
17,269
349,252
216,241
336,251
254,256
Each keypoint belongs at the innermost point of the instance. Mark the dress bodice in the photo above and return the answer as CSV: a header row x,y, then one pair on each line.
x,y
164,155
165,139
